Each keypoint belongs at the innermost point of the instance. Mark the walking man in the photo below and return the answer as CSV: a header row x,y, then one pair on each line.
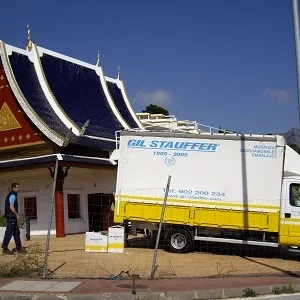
x,y
12,217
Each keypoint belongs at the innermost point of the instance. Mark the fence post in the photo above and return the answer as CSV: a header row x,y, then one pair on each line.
x,y
160,225
27,225
50,221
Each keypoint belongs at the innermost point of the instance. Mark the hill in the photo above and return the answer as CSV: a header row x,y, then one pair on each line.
x,y
292,136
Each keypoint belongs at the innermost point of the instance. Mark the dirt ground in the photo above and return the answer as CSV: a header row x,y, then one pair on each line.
x,y
68,259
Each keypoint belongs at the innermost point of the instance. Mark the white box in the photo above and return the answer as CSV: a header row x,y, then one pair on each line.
x,y
95,242
116,239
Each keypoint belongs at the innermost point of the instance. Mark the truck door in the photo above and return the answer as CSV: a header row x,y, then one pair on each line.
x,y
290,215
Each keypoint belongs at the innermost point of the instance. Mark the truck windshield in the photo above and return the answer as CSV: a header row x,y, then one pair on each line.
x,y
295,194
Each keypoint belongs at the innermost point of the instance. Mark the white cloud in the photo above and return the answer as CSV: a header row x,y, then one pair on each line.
x,y
159,97
281,96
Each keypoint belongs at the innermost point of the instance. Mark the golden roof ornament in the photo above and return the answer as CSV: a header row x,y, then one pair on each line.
x,y
29,43
119,72
98,59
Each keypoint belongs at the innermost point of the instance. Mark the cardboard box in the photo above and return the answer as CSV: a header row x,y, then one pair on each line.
x,y
95,242
116,239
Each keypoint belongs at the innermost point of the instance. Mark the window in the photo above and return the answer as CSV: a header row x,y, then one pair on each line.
x,y
295,194
30,207
73,206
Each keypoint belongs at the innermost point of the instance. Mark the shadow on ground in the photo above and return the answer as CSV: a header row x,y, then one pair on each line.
x,y
221,248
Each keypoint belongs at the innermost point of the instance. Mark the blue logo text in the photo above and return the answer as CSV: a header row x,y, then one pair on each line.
x,y
172,145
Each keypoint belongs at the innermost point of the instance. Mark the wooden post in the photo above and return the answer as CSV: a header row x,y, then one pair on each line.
x,y
59,201
59,205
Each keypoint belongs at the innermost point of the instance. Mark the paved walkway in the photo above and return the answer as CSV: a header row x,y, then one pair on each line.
x,y
169,289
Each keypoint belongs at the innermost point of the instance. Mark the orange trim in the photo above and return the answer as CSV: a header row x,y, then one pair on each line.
x,y
22,145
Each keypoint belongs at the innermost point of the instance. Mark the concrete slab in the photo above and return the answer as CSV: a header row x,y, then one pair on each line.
x,y
8,297
40,286
85,297
16,285
48,297
64,286
16,297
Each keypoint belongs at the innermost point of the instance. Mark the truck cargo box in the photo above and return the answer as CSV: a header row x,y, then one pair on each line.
x,y
215,178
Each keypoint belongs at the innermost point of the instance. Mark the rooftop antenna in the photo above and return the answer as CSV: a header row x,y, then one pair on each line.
x,y
98,59
119,72
29,43
297,48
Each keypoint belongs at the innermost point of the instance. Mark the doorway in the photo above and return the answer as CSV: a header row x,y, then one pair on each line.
x,y
99,211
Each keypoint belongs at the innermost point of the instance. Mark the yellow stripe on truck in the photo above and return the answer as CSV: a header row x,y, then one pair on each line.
x,y
214,217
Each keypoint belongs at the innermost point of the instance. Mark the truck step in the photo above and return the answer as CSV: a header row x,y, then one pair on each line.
x,y
235,241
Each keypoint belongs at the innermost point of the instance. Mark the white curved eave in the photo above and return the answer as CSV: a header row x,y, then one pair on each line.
x,y
111,103
134,116
121,86
4,51
93,137
34,56
59,157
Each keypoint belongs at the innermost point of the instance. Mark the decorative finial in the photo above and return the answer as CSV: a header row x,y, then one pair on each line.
x,y
98,59
119,72
84,127
67,138
29,43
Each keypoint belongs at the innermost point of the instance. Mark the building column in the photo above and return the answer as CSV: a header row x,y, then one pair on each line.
x,y
59,201
59,206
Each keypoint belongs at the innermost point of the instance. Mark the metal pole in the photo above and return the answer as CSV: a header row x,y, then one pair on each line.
x,y
160,225
50,221
297,46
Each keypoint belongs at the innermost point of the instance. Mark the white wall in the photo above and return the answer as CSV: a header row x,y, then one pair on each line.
x,y
38,183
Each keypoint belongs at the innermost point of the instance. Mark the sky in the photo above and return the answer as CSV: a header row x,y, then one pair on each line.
x,y
221,63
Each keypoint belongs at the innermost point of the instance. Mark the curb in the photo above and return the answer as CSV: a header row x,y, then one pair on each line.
x,y
230,293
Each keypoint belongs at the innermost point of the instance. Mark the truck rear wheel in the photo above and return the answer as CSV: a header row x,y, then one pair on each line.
x,y
179,241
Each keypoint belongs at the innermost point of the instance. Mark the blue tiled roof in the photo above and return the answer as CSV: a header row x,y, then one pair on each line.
x,y
29,84
79,92
121,105
92,143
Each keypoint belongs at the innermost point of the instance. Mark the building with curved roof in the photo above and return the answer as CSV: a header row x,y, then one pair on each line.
x,y
55,109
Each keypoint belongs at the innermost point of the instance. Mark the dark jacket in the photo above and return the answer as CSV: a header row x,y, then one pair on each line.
x,y
8,213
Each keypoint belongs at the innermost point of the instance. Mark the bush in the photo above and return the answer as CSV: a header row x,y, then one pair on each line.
x,y
284,290
248,292
27,265
21,221
2,221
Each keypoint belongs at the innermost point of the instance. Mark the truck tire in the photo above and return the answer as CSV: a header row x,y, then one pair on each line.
x,y
179,240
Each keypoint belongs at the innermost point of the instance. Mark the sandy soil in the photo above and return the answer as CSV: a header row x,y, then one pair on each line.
x,y
67,258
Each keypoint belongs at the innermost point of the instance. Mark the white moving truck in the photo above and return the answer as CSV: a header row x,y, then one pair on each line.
x,y
231,188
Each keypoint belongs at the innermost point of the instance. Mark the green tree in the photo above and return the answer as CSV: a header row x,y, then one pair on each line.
x,y
155,109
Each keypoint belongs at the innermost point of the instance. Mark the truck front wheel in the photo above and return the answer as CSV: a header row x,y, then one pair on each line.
x,y
179,241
